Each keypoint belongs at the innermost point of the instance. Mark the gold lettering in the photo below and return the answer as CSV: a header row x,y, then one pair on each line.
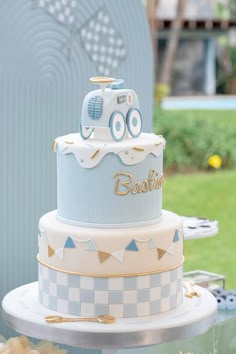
x,y
123,183
159,182
145,186
149,184
152,179
162,180
136,188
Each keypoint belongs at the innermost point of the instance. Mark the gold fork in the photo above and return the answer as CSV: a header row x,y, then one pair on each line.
x,y
105,319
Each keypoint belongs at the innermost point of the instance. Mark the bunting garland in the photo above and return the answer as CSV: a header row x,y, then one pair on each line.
x,y
60,253
44,237
91,246
170,249
82,241
51,251
160,253
152,244
132,246
69,243
119,255
143,241
176,236
104,255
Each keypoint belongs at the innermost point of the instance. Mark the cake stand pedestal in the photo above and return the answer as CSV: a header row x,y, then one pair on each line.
x,y
23,313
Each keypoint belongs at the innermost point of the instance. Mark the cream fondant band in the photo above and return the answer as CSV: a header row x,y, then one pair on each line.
x,y
111,275
109,226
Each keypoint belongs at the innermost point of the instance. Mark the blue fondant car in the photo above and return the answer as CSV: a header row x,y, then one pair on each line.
x,y
111,112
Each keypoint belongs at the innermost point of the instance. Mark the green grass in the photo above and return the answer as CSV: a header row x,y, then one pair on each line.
x,y
224,118
211,195
193,136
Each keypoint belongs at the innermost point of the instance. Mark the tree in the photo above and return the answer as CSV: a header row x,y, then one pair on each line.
x,y
172,43
151,9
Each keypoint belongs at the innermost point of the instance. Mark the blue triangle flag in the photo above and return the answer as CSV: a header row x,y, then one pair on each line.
x,y
69,243
132,246
176,236
91,246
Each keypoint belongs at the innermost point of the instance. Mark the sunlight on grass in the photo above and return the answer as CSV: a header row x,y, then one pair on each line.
x,y
211,195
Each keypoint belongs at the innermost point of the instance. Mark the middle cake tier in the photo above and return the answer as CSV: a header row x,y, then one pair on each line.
x,y
111,252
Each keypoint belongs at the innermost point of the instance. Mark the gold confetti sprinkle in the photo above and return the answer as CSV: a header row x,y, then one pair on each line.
x,y
137,148
54,143
69,142
94,153
158,144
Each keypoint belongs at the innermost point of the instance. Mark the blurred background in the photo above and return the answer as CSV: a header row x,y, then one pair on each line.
x,y
194,55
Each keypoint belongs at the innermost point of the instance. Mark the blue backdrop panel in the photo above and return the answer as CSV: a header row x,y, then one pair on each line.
x,y
48,49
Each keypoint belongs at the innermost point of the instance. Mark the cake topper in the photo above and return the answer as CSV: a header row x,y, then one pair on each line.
x,y
111,112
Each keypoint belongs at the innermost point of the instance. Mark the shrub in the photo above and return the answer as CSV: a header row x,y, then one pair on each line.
x,y
193,136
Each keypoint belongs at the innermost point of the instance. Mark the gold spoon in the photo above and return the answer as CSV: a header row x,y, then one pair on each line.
x,y
105,319
190,292
194,292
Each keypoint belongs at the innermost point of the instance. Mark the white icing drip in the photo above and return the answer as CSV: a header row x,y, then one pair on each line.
x,y
89,153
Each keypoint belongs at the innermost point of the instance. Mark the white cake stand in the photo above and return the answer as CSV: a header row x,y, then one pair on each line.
x,y
23,313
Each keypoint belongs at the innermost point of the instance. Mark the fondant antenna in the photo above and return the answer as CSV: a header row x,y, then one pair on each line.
x,y
103,81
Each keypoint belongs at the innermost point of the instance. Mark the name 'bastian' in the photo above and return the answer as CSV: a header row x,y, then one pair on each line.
x,y
125,184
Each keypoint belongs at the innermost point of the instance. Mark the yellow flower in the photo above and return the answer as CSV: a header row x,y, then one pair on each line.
x,y
215,161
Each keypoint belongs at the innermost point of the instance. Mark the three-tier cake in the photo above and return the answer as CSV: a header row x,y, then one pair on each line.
x,y
109,248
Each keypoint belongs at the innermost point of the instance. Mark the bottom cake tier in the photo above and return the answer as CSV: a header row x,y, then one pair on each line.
x,y
131,296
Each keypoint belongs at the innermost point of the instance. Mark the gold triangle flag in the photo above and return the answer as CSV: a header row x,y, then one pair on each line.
x,y
160,253
50,251
103,256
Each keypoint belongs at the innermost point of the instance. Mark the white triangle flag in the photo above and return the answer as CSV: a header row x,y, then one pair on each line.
x,y
91,246
170,249
60,253
44,237
119,255
151,244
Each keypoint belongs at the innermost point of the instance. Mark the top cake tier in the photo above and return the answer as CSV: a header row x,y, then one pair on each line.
x,y
109,183
109,175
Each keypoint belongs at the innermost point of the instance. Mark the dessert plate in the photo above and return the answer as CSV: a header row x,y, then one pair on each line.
x,y
195,227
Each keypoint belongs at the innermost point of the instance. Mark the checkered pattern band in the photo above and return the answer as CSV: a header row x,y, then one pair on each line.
x,y
133,296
